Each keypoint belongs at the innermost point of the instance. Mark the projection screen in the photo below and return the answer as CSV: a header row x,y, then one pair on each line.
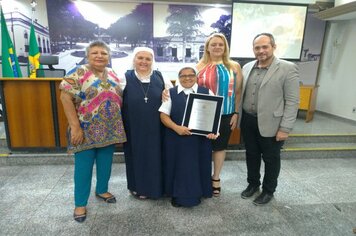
x,y
286,22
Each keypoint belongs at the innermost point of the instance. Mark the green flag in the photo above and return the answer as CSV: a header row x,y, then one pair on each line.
x,y
33,55
10,64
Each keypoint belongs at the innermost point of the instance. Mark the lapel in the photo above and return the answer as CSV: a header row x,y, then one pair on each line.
x,y
272,69
246,73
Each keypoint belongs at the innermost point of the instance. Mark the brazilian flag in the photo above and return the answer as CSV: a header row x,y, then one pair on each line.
x,y
10,64
33,55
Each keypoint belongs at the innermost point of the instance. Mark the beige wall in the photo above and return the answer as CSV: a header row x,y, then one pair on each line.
x,y
337,80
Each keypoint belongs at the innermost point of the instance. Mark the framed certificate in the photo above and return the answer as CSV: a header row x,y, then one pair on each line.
x,y
203,113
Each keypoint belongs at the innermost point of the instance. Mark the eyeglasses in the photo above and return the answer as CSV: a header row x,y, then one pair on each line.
x,y
190,76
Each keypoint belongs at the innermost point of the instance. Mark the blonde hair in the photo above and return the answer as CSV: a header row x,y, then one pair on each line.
x,y
226,56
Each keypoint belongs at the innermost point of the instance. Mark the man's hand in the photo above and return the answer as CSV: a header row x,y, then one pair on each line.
x,y
281,136
165,95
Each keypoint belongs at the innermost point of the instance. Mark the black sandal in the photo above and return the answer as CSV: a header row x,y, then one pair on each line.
x,y
216,190
110,199
80,218
140,197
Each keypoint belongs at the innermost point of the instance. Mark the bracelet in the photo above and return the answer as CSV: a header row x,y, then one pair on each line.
x,y
236,112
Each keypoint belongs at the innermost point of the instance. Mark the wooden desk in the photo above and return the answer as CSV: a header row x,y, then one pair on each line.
x,y
308,100
33,114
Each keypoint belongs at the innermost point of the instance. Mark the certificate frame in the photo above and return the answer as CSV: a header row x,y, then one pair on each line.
x,y
202,113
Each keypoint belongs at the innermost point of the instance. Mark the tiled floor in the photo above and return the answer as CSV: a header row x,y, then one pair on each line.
x,y
314,197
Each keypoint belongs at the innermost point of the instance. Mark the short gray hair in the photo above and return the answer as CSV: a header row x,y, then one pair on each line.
x,y
97,43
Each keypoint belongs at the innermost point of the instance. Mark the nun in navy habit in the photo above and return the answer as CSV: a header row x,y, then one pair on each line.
x,y
186,157
143,149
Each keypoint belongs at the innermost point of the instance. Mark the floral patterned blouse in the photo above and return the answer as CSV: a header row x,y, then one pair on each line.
x,y
98,105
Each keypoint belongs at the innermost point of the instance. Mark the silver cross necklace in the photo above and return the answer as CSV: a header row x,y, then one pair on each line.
x,y
145,91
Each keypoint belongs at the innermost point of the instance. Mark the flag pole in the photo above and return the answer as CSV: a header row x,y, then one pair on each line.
x,y
10,65
34,50
33,7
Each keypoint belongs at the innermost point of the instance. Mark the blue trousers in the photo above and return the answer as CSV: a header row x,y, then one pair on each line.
x,y
83,171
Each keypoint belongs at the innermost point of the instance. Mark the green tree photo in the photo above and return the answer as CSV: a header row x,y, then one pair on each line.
x,y
183,21
223,25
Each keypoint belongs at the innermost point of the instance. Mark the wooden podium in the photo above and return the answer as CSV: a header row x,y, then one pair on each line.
x,y
33,113
235,137
308,100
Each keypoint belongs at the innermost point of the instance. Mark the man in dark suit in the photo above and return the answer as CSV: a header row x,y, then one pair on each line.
x,y
270,106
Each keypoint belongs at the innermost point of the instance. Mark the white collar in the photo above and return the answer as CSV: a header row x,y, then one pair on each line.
x,y
144,79
193,89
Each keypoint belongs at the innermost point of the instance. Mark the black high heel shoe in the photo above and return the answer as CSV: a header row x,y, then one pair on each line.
x,y
216,190
110,199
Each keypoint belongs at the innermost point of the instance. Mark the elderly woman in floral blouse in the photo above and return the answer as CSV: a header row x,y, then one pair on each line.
x,y
92,100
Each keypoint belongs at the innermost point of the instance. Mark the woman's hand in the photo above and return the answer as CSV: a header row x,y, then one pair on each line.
x,y
213,136
76,136
182,130
76,133
234,120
